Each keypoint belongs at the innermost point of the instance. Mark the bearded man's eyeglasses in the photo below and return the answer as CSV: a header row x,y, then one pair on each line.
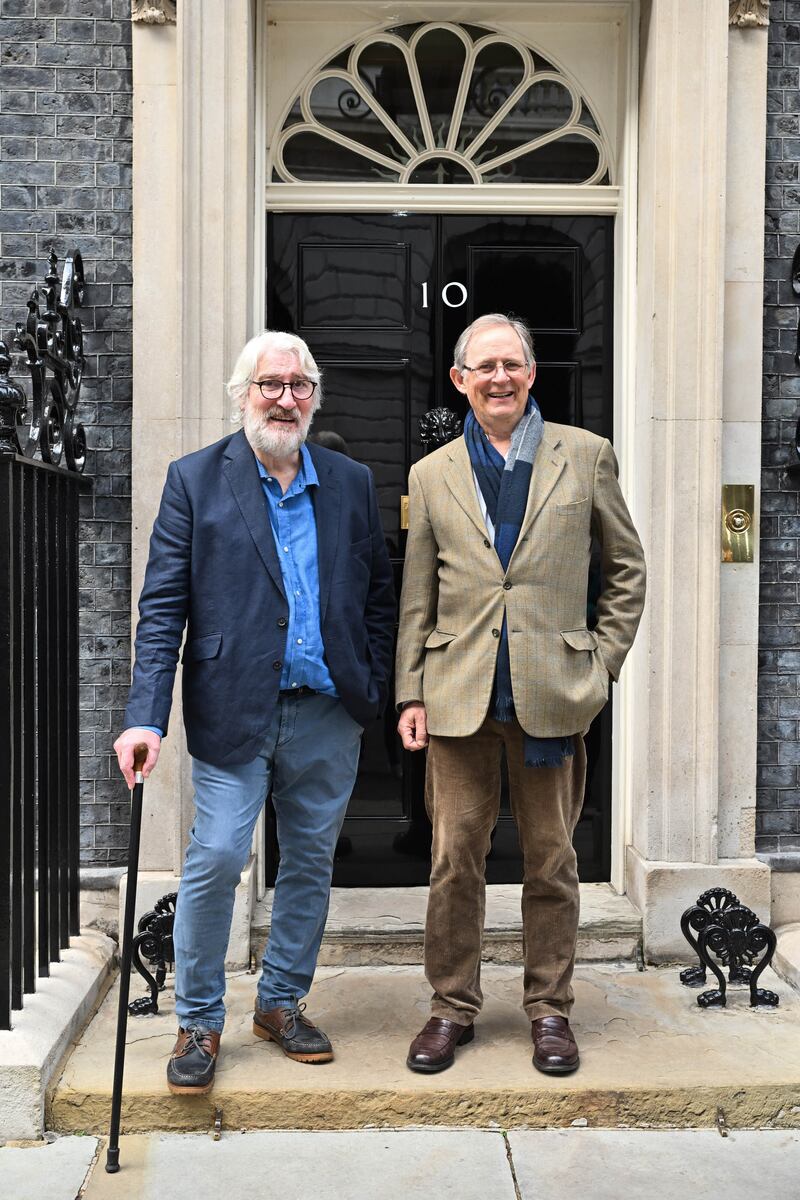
x,y
273,389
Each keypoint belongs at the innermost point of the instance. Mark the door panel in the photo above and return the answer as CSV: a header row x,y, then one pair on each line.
x,y
556,273
381,300
375,279
553,304
370,405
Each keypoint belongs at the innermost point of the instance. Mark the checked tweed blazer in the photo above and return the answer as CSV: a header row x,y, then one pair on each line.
x,y
455,593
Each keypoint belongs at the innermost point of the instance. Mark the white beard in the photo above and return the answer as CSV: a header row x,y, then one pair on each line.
x,y
272,437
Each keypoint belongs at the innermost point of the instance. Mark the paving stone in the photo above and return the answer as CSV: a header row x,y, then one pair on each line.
x,y
46,1171
469,1164
607,1164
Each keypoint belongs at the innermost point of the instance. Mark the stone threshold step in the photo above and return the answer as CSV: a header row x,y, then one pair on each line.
x,y
650,1058
385,926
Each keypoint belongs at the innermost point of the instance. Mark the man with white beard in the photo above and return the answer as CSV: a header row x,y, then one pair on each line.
x,y
271,553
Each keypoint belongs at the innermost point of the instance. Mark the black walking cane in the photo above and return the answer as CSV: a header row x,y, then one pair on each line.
x,y
139,759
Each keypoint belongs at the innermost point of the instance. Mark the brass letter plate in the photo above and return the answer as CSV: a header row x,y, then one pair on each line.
x,y
738,512
404,512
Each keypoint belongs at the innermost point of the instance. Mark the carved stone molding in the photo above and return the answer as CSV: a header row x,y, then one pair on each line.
x,y
154,12
748,12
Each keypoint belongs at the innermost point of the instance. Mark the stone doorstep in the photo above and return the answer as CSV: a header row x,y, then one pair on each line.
x,y
385,926
650,1058
32,1052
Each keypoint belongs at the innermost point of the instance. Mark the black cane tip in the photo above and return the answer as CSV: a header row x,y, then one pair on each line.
x,y
112,1161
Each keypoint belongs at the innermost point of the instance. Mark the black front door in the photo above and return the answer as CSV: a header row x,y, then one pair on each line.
x,y
381,300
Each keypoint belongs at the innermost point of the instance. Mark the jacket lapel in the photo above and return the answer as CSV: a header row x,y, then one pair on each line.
x,y
458,477
547,467
327,500
242,474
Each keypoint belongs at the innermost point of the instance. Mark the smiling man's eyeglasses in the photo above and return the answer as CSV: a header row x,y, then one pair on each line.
x,y
273,389
486,370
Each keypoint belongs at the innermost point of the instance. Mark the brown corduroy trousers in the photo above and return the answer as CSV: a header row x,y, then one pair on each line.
x,y
463,799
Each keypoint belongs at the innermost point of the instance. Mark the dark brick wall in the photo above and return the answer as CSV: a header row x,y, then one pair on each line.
x,y
65,180
778,805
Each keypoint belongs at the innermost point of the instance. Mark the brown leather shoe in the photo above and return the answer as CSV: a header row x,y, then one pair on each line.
x,y
434,1047
297,1037
190,1070
555,1049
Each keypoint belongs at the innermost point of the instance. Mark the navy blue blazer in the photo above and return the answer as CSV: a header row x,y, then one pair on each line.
x,y
213,568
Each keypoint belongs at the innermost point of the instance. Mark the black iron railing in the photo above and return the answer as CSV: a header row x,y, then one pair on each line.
x,y
39,814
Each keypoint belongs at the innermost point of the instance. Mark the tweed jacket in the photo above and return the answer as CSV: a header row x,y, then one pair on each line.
x,y
455,592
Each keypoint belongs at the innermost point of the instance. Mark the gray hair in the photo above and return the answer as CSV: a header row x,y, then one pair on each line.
x,y
486,322
247,362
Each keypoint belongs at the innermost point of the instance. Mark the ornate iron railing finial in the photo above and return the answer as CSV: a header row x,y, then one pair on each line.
x,y
52,338
13,403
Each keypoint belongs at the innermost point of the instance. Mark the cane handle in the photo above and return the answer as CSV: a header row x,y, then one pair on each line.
x,y
139,756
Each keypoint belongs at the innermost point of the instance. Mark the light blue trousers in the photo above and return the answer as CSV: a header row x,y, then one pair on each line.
x,y
310,757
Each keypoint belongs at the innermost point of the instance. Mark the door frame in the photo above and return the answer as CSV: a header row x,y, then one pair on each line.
x,y
618,200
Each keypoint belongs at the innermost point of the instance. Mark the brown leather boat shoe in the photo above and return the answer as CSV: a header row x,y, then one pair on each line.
x,y
190,1070
297,1037
434,1047
555,1051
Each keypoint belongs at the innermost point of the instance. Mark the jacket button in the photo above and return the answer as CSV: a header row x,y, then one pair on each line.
x,y
277,665
495,633
486,542
506,586
282,622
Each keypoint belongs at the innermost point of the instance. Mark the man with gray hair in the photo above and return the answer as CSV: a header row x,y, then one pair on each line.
x,y
271,553
494,653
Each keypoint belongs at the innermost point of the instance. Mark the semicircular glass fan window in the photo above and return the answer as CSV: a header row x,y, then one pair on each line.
x,y
439,103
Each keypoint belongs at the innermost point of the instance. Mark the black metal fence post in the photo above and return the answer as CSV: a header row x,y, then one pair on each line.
x,y
6,760
39,789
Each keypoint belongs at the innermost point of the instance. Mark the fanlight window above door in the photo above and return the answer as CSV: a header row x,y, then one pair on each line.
x,y
439,103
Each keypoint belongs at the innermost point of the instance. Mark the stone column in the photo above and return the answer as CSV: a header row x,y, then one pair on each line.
x,y
675,840
741,439
216,87
193,148
156,396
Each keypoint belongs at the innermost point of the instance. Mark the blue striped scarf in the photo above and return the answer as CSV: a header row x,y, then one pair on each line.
x,y
505,484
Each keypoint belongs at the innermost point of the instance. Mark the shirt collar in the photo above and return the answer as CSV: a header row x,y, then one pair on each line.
x,y
306,476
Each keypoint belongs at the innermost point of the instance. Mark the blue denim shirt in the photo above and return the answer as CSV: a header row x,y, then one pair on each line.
x,y
294,528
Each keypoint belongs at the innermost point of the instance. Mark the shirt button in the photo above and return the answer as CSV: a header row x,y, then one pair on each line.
x,y
297,593
299,641
506,586
495,633
486,542
277,665
280,504
282,622
285,549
